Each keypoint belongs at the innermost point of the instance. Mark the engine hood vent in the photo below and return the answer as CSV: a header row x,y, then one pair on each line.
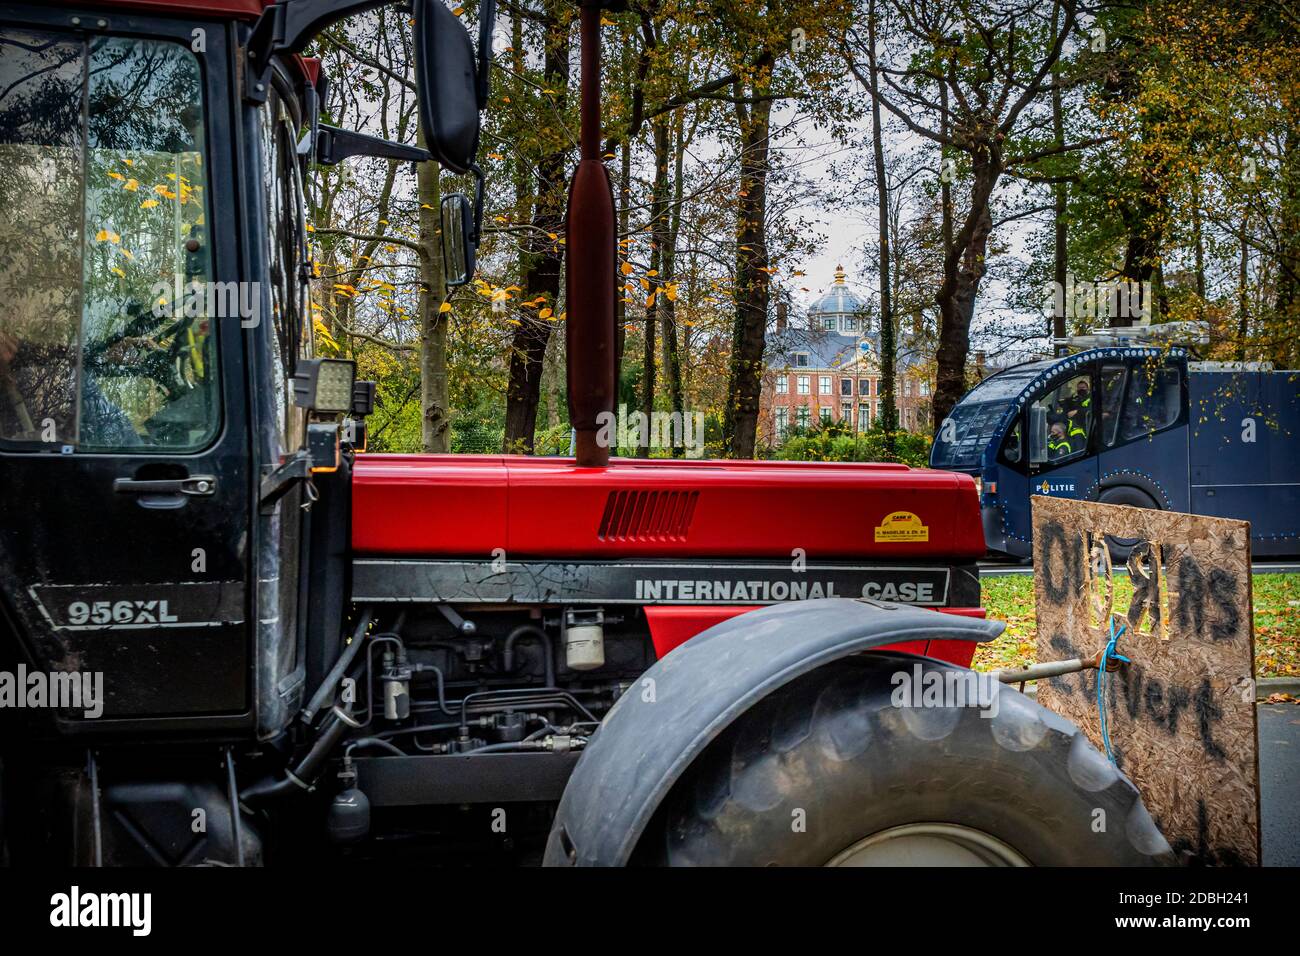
x,y
647,515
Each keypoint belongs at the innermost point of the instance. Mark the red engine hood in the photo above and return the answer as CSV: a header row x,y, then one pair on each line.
x,y
453,505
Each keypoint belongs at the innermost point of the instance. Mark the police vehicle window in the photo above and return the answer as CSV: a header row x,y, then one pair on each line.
x,y
1060,422
1112,391
1153,401
108,331
1012,450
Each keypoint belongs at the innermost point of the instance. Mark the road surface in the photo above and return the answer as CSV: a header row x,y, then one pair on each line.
x,y
1279,783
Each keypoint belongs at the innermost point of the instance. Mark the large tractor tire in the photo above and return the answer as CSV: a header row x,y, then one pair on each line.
x,y
828,771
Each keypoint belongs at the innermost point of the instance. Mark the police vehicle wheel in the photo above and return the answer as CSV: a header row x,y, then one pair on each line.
x,y
1120,548
841,767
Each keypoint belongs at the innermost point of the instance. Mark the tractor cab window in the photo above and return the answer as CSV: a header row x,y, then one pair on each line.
x,y
286,254
107,332
1153,402
1060,422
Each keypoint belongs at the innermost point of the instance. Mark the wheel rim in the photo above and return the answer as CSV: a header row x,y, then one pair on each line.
x,y
929,844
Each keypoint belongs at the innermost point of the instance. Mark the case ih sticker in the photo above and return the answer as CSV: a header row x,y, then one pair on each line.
x,y
548,582
107,607
902,526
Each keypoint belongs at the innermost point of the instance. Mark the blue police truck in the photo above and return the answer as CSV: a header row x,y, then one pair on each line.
x,y
1132,425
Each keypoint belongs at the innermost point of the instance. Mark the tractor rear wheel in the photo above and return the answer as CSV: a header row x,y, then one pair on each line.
x,y
829,771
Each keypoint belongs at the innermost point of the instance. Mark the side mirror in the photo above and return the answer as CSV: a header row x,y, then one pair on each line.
x,y
458,246
449,81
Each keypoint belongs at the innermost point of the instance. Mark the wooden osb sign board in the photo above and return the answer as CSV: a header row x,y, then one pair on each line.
x,y
1181,717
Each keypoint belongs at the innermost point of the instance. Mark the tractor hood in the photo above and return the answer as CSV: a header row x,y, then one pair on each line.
x,y
452,505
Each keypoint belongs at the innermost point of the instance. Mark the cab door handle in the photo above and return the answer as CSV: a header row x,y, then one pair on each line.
x,y
195,485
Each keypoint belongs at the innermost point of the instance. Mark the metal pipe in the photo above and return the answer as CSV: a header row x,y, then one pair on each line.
x,y
529,630
326,689
589,267
1054,669
236,824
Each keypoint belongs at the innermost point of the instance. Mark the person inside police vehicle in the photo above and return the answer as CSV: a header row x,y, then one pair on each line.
x,y
1058,444
1078,408
1074,412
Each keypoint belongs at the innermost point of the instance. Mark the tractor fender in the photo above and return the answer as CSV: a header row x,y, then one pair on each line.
x,y
682,702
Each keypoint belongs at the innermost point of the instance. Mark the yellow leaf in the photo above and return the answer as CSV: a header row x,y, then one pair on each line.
x,y
626,268
458,11
445,307
544,314
113,175
131,185
310,227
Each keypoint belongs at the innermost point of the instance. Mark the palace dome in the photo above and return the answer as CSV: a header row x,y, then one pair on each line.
x,y
839,302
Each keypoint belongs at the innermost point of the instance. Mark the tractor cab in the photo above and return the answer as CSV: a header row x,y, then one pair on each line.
x,y
163,420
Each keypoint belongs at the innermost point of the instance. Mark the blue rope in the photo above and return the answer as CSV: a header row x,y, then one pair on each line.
x,y
1109,654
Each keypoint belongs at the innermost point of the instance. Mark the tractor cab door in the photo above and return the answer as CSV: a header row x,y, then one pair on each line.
x,y
125,482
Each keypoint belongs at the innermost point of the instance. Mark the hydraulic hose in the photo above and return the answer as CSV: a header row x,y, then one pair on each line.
x,y
336,725
529,630
328,685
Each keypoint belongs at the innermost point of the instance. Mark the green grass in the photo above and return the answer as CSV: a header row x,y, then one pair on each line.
x,y
1277,622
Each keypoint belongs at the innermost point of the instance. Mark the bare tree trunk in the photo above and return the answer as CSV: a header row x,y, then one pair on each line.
x,y
1198,239
543,275
1243,290
666,230
963,267
888,346
1287,301
1056,325
435,413
624,191
745,378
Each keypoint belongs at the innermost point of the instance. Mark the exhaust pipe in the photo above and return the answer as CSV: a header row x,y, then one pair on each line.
x,y
589,265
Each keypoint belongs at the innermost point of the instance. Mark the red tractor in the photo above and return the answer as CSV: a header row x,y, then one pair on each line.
x,y
228,635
